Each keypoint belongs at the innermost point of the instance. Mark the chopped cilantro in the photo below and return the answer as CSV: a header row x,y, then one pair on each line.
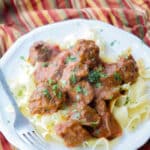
x,y
59,95
55,87
70,59
79,89
23,58
82,90
117,76
113,42
95,75
45,64
46,93
127,100
56,91
50,81
98,84
73,79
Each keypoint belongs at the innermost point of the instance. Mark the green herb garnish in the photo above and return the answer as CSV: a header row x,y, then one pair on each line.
x,y
45,64
95,75
55,87
50,81
82,90
97,85
59,95
73,79
117,76
56,91
79,89
113,42
127,100
70,59
23,58
46,93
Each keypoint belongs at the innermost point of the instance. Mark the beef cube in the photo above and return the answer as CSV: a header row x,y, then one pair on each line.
x,y
128,69
85,115
73,73
46,100
108,128
82,93
42,52
72,133
53,70
87,52
107,93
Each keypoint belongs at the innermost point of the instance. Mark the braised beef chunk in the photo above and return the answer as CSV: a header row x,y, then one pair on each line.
x,y
124,71
128,68
46,99
73,73
85,115
87,52
109,127
82,93
72,133
53,70
107,93
42,52
114,77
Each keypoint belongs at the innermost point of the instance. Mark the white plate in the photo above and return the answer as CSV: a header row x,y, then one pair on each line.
x,y
10,64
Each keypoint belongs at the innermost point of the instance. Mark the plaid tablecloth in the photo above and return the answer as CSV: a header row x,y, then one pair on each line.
x,y
18,17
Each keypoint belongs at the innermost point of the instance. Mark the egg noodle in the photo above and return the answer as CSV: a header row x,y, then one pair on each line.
x,y
130,109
